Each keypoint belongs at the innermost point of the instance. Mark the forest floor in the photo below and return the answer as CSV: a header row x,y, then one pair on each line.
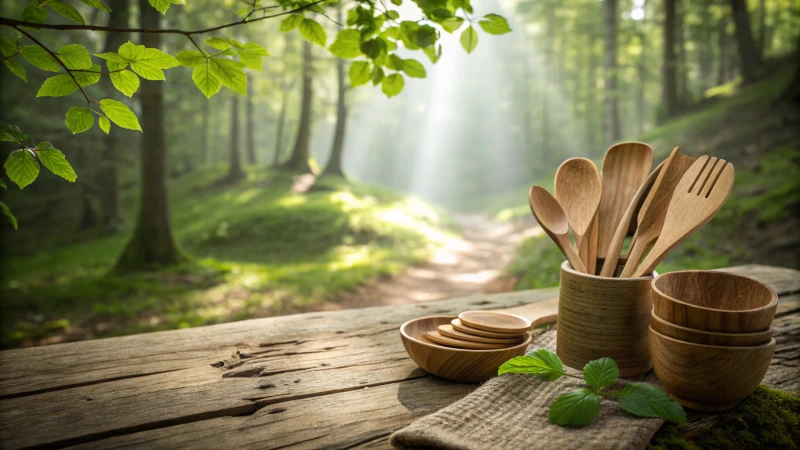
x,y
474,263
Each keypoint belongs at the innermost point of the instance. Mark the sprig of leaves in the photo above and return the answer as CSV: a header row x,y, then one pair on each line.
x,y
580,407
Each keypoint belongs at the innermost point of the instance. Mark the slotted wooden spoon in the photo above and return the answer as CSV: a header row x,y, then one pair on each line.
x,y
654,210
553,220
699,195
578,189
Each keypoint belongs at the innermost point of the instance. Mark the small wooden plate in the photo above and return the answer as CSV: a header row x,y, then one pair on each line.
x,y
447,330
458,343
457,325
494,321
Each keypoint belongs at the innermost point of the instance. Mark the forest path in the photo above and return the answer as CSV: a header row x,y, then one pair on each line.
x,y
472,264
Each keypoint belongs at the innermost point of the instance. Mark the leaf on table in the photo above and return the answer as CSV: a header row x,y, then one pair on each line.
x,y
542,362
644,399
601,373
575,408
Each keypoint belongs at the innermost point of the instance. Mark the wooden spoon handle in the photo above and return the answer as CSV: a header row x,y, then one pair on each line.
x,y
634,256
572,256
653,259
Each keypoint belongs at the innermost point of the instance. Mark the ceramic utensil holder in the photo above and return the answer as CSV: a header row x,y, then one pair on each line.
x,y
603,316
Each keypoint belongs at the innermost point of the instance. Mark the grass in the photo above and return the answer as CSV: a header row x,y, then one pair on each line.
x,y
745,125
257,248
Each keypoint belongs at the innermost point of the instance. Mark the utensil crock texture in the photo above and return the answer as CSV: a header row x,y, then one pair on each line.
x,y
714,301
709,337
467,366
708,377
602,316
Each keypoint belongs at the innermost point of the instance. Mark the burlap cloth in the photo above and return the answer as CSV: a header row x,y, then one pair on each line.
x,y
510,412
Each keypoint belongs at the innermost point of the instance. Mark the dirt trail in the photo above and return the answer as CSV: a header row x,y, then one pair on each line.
x,y
472,264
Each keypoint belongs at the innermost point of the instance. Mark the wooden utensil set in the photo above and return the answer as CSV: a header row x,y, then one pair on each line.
x,y
481,330
669,204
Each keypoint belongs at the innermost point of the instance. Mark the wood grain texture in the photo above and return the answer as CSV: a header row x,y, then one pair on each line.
x,y
601,316
625,167
709,337
494,321
700,194
578,189
457,364
319,380
449,331
654,210
434,337
706,377
714,301
458,326
553,220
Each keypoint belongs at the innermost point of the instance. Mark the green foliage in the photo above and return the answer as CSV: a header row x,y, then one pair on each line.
x,y
54,160
124,81
347,44
313,32
75,57
206,80
39,57
79,119
494,24
163,5
121,115
65,10
580,407
230,73
469,39
414,68
359,73
105,124
7,212
393,84
16,68
21,167
97,4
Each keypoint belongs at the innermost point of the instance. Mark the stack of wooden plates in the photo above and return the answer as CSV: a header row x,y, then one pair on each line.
x,y
481,330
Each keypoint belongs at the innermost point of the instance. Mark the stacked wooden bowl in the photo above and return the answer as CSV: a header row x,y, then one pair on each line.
x,y
710,336
467,348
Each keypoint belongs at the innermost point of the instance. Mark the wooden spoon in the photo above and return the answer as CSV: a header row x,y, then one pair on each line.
x,y
578,189
448,330
625,167
699,195
497,322
654,209
553,221
437,338
612,255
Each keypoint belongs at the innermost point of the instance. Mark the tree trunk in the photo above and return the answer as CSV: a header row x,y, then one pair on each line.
x,y
762,27
88,218
235,171
749,59
276,156
611,112
152,244
684,96
722,46
300,154
641,69
108,177
704,53
251,138
334,166
669,89
204,158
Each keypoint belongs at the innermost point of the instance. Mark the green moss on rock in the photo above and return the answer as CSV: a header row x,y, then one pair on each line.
x,y
768,419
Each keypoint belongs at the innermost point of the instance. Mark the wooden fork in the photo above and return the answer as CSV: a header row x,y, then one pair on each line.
x,y
701,192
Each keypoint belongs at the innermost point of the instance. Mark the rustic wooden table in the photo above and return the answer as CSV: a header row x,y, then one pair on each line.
x,y
334,380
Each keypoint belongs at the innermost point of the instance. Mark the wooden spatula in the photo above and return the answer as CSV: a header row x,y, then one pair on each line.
x,y
700,194
578,189
654,210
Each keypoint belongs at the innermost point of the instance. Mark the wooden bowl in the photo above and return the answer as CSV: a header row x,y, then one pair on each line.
x,y
714,301
709,337
708,377
468,366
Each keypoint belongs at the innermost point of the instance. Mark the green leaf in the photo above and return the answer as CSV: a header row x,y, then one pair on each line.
x,y
397,2
39,57
75,57
392,14
452,24
646,400
256,48
7,212
120,114
434,52
190,58
206,80
147,62
494,24
11,133
16,68
313,32
575,408
35,14
79,119
395,62
57,86
469,39
543,363
291,22
125,81
112,57
21,167
7,46
97,4
2,184
377,75
218,43
105,125
374,48
250,60
426,35
54,160
229,73
162,5
359,73
601,373
347,44
89,77
66,10
393,84
414,68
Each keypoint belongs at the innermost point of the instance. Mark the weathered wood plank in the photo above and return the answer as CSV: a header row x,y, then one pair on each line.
x,y
782,279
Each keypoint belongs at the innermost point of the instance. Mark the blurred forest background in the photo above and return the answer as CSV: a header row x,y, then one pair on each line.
x,y
309,194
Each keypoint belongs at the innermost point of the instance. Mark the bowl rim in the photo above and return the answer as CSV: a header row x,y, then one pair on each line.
x,y
771,342
405,335
711,333
772,303
567,267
